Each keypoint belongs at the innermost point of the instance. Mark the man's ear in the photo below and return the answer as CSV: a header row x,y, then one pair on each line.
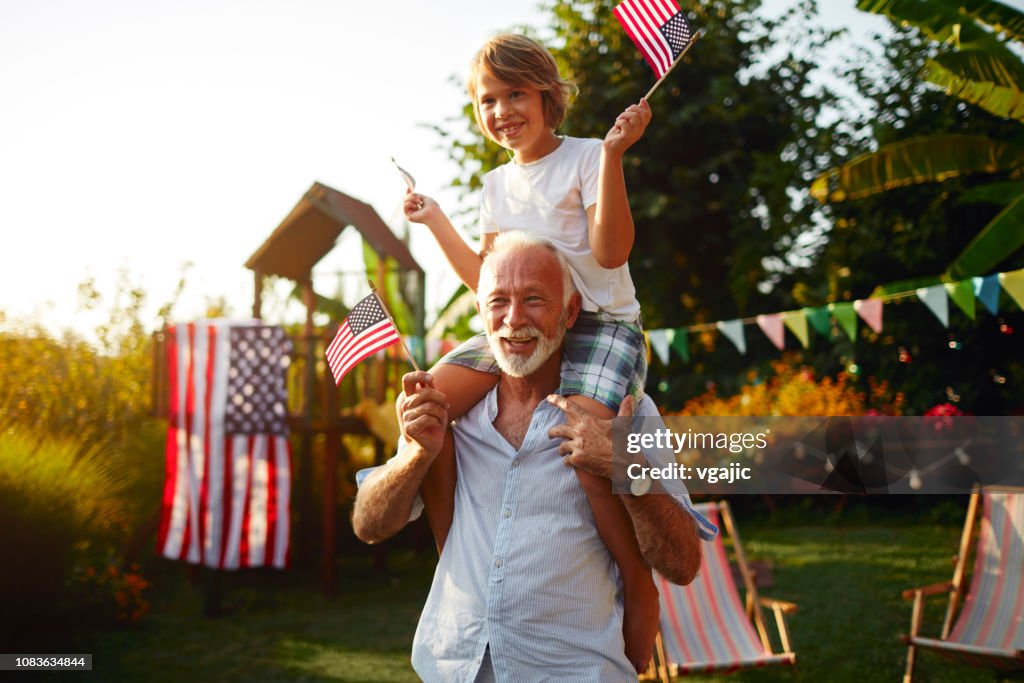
x,y
573,310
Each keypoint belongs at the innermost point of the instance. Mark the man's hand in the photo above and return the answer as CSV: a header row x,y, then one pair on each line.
x,y
422,412
588,440
629,127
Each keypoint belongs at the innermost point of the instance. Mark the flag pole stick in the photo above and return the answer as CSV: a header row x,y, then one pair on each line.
x,y
388,314
686,49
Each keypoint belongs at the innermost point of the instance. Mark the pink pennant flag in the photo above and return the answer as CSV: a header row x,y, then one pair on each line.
x,y
870,311
774,329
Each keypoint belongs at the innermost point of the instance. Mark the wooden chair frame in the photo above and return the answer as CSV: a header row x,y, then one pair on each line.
x,y
661,669
957,593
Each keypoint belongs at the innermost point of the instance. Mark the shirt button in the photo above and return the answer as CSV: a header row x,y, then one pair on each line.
x,y
497,563
508,513
515,463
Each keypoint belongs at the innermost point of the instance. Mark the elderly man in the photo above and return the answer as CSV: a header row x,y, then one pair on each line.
x,y
524,588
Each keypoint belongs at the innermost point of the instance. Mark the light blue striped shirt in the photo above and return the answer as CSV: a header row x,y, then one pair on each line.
x,y
524,572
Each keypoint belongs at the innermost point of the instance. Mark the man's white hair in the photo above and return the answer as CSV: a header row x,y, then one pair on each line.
x,y
511,242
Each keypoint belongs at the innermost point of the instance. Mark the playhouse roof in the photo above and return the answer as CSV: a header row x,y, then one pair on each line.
x,y
310,231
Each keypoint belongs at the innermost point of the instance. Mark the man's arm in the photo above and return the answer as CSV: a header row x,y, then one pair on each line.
x,y
666,534
384,501
665,531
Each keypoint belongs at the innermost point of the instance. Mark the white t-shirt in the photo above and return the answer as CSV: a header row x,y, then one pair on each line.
x,y
549,198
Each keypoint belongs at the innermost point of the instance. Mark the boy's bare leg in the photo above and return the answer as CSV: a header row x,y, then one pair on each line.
x,y
640,595
464,389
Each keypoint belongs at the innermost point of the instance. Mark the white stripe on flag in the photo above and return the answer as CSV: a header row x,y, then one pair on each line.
x,y
282,469
239,485
213,522
258,503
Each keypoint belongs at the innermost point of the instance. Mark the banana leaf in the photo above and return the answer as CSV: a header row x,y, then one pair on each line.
x,y
905,286
993,193
990,81
940,21
927,159
1000,17
998,240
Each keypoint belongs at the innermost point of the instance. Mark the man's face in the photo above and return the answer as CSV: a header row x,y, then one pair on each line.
x,y
522,310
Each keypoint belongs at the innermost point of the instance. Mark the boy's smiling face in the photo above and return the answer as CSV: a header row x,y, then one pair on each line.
x,y
513,116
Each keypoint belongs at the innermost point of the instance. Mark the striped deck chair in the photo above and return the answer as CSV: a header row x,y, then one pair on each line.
x,y
705,626
989,630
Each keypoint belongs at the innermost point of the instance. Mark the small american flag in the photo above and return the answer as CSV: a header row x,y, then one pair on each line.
x,y
367,330
658,28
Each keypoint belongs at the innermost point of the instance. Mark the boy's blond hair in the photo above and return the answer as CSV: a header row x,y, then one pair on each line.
x,y
519,60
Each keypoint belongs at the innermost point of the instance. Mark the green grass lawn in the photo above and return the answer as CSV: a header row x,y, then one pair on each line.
x,y
846,580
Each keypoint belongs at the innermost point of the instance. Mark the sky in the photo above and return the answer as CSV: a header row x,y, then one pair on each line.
x,y
141,136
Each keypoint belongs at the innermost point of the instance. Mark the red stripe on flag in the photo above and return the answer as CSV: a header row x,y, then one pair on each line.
x,y
225,518
190,390
243,546
268,546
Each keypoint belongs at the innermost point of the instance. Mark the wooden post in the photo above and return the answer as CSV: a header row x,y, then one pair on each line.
x,y
257,296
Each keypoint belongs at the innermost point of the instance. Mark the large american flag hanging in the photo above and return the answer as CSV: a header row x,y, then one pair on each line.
x,y
659,30
366,330
228,462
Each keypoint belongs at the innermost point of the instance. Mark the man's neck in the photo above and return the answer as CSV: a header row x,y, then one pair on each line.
x,y
518,398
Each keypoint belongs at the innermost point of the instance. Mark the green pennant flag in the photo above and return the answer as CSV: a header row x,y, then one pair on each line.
x,y
679,340
962,294
846,317
819,320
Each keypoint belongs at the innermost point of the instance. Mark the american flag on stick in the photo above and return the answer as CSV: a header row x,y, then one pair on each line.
x,y
367,330
659,30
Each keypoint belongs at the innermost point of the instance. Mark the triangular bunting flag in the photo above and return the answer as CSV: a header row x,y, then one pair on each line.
x,y
659,344
647,343
962,294
936,300
819,320
772,327
986,289
870,311
846,317
796,321
733,329
680,341
1013,283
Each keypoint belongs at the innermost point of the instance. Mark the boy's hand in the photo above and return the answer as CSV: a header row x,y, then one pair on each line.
x,y
419,208
629,127
422,412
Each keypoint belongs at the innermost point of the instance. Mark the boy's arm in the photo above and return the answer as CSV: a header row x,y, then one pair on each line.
x,y
610,222
463,260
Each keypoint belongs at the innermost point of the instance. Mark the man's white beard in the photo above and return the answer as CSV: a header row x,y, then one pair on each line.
x,y
517,365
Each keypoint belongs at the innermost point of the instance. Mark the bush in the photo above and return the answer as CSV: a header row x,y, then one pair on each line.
x,y
63,516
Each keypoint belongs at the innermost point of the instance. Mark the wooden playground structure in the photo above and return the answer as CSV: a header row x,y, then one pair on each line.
x,y
320,412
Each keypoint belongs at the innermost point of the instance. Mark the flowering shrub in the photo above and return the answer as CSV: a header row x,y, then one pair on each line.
x,y
795,390
107,595
940,417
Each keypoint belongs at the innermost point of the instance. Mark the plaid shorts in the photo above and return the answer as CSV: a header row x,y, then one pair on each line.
x,y
610,358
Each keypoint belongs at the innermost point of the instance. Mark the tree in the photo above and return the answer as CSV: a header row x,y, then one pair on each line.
x,y
979,68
